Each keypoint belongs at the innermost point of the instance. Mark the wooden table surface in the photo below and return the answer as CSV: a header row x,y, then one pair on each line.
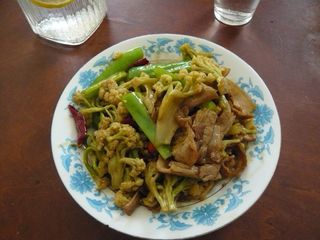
x,y
282,43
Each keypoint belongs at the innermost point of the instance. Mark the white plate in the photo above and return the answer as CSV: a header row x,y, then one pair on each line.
x,y
197,219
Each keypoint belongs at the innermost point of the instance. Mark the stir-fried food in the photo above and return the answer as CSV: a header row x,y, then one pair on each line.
x,y
161,134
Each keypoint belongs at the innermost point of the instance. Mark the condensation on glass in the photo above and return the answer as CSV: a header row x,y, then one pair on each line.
x,y
72,24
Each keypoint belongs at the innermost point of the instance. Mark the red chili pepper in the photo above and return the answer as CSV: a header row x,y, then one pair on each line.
x,y
80,124
140,62
151,149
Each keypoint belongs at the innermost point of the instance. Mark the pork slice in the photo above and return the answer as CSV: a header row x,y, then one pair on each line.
x,y
177,168
204,118
241,101
234,164
208,172
215,145
207,93
185,148
203,128
225,121
181,169
132,204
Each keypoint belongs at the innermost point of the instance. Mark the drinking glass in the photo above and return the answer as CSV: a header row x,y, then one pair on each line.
x,y
235,12
71,24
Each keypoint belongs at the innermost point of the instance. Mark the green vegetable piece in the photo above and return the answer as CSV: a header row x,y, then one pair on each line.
x,y
122,63
166,122
173,186
116,169
89,166
141,116
93,90
238,128
211,106
96,171
150,68
207,65
151,175
166,193
120,139
188,52
161,71
169,182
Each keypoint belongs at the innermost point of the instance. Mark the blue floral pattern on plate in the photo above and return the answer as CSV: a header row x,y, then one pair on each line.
x,y
206,213
86,78
81,182
104,203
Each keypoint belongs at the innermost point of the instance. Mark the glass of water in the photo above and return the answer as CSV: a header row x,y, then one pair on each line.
x,y
70,24
235,12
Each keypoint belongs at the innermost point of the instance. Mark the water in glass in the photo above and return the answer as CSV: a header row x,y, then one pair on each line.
x,y
235,12
72,24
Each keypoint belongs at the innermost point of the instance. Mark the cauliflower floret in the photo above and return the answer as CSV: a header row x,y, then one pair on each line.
x,y
105,122
121,199
207,65
117,134
131,185
182,73
137,165
122,112
150,200
111,92
100,136
117,140
163,84
124,133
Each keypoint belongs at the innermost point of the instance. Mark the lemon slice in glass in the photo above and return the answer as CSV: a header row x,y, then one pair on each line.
x,y
51,3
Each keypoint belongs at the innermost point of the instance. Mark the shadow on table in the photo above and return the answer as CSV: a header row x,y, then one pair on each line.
x,y
223,34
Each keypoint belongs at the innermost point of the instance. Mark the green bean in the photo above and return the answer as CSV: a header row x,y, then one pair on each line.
x,y
93,90
150,68
141,116
122,63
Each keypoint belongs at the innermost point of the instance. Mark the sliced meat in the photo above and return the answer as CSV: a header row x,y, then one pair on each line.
x,y
203,127
182,117
204,118
242,114
206,172
177,168
209,132
207,93
184,148
249,137
241,101
132,204
200,190
209,172
203,145
215,146
163,166
183,169
233,165
225,121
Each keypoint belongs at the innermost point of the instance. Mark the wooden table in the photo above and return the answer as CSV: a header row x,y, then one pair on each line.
x,y
282,43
